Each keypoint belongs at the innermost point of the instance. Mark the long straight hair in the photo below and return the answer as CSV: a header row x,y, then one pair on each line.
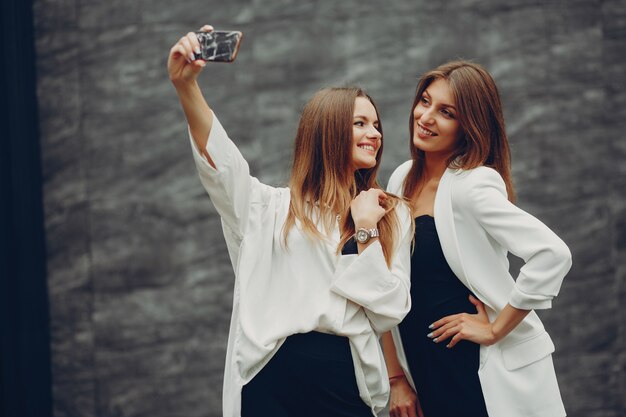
x,y
483,139
323,182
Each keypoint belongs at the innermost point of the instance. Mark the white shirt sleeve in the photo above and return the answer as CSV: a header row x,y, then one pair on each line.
x,y
230,186
383,292
547,258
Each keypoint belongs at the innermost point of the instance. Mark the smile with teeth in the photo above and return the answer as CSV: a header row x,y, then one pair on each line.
x,y
367,147
425,131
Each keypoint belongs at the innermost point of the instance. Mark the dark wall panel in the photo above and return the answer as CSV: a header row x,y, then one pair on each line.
x,y
140,282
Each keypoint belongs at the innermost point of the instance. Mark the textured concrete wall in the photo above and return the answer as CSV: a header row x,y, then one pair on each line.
x,y
140,283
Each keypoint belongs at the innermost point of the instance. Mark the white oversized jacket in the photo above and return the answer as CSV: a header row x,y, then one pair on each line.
x,y
477,226
308,286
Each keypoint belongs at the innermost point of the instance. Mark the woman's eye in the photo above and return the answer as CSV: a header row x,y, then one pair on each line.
x,y
361,124
447,113
424,100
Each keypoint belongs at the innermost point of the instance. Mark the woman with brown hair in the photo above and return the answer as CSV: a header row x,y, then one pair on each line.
x,y
322,267
471,344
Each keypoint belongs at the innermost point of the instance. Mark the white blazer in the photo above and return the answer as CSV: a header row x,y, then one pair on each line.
x,y
477,226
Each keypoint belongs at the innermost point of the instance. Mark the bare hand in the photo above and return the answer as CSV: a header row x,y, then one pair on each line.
x,y
366,208
403,401
181,63
473,327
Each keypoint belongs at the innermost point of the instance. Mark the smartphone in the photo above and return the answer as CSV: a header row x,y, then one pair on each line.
x,y
219,45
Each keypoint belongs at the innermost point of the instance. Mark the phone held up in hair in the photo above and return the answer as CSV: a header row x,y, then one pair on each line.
x,y
219,45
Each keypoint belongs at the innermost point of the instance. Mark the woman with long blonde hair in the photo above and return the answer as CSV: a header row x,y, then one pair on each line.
x,y
322,267
471,345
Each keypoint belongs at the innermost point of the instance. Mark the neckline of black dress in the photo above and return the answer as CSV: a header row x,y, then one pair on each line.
x,y
424,215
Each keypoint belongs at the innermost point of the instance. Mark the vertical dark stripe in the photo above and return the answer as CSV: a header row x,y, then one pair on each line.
x,y
25,382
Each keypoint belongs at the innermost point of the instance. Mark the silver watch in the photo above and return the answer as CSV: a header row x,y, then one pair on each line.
x,y
364,235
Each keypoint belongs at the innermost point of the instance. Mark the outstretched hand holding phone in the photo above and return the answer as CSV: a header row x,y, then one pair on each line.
x,y
192,51
183,68
182,65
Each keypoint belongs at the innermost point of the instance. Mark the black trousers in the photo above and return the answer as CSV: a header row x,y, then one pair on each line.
x,y
311,375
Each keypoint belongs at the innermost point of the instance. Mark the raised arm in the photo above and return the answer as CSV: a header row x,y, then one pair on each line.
x,y
183,72
383,291
223,170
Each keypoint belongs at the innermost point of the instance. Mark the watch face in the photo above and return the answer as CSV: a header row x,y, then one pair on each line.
x,y
362,236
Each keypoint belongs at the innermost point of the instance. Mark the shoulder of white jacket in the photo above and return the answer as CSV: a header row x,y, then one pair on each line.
x,y
397,177
481,175
471,183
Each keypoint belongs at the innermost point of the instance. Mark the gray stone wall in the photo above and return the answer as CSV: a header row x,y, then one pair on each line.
x,y
140,282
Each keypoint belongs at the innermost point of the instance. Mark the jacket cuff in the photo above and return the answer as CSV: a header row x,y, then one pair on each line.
x,y
357,276
523,301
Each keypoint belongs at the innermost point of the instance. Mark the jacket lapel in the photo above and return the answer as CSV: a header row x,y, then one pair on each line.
x,y
444,222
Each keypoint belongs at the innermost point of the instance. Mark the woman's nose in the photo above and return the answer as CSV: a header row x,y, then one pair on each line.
x,y
373,132
426,117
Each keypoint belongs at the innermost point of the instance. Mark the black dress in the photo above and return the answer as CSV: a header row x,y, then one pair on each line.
x,y
446,379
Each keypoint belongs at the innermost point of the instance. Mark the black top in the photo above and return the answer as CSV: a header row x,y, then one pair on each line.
x,y
350,247
446,379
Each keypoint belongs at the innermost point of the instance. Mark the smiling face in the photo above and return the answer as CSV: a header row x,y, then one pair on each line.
x,y
366,138
436,128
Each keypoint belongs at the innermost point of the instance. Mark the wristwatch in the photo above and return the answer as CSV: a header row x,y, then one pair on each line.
x,y
364,235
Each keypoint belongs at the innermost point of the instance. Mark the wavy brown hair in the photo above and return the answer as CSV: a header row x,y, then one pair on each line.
x,y
483,139
323,182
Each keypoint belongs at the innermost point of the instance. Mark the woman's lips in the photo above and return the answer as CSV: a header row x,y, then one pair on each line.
x,y
423,133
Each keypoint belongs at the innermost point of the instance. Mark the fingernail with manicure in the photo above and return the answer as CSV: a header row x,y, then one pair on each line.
x,y
192,57
435,340
431,326
430,335
197,50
